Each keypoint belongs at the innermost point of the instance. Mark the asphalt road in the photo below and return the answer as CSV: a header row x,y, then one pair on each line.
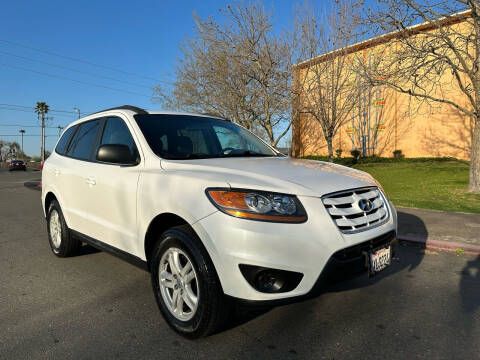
x,y
94,306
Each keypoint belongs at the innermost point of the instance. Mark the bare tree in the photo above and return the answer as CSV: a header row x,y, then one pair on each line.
x,y
324,84
435,62
239,69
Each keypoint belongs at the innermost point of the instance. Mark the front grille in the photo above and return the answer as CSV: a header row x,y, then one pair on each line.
x,y
344,208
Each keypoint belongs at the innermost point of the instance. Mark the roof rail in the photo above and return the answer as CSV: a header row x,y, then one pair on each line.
x,y
215,115
125,107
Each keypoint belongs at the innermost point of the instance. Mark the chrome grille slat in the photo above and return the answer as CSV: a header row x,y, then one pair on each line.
x,y
352,211
346,213
348,199
362,219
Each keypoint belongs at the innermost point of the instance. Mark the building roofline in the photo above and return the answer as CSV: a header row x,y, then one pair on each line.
x,y
362,45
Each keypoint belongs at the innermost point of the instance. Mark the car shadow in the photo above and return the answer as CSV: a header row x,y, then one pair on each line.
x,y
411,225
86,249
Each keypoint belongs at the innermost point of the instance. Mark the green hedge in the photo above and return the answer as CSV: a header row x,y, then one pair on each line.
x,y
377,159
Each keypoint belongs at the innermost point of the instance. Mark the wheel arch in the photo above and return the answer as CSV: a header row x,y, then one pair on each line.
x,y
157,226
163,222
49,197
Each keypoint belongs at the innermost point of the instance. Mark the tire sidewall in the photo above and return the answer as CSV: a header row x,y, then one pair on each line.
x,y
55,206
182,241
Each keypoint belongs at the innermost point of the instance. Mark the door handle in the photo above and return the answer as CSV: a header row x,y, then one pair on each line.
x,y
90,181
56,172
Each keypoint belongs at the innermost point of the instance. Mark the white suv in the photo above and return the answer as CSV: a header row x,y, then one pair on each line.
x,y
212,211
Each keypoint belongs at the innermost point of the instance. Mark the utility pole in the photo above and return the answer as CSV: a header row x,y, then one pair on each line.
x,y
78,111
22,132
42,155
60,128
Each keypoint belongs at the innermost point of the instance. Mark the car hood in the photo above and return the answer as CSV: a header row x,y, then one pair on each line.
x,y
279,174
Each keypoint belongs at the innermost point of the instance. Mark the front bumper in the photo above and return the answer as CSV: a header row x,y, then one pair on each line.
x,y
304,248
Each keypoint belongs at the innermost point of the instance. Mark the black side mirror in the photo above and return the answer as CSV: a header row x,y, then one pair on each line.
x,y
116,154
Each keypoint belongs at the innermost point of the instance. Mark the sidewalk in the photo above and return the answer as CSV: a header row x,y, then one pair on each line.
x,y
440,229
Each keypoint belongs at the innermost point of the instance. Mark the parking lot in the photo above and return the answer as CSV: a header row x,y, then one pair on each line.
x,y
426,305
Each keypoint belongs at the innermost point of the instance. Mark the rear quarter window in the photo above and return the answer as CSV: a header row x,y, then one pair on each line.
x,y
64,140
81,146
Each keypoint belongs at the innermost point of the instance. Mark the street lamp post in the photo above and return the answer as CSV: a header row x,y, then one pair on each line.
x,y
77,110
60,128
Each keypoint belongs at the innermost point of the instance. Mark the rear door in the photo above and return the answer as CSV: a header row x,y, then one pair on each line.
x,y
74,179
56,172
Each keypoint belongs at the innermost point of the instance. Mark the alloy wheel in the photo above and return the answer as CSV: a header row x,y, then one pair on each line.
x,y
178,284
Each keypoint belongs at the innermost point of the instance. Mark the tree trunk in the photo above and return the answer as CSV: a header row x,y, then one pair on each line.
x,y
330,148
474,185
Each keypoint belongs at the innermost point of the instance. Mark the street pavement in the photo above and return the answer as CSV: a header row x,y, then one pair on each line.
x,y
95,306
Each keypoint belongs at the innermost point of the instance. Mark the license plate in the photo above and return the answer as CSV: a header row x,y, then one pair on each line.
x,y
379,259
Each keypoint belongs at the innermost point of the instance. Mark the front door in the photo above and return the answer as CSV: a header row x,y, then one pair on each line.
x,y
112,197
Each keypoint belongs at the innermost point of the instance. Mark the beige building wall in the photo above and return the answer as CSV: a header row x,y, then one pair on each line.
x,y
418,128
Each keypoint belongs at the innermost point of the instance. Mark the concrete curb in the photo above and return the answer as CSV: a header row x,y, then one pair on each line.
x,y
35,185
441,245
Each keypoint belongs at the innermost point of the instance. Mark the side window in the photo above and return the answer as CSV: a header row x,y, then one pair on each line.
x,y
116,132
83,141
64,140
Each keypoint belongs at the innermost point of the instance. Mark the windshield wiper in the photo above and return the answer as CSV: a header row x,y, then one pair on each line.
x,y
247,153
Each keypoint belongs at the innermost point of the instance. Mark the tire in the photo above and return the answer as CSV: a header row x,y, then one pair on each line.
x,y
212,307
60,238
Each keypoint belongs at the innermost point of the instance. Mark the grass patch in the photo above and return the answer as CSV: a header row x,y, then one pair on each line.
x,y
438,183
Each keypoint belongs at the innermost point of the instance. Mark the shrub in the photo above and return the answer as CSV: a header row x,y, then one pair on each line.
x,y
338,152
356,155
397,154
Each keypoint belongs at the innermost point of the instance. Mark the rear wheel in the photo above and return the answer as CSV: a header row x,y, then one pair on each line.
x,y
61,240
186,285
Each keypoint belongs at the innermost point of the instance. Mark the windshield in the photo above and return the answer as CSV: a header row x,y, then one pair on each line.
x,y
195,137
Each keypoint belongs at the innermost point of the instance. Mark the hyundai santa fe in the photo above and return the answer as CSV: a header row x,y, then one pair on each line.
x,y
211,211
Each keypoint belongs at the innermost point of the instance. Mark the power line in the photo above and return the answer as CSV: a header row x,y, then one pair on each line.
x,y
31,111
31,108
76,70
77,60
30,135
28,126
74,80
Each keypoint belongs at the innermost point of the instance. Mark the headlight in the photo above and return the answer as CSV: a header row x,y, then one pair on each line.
x,y
258,205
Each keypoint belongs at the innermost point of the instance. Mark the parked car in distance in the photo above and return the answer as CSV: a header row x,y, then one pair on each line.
x,y
214,213
17,165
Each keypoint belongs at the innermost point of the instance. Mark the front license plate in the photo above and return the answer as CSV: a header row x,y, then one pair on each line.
x,y
379,259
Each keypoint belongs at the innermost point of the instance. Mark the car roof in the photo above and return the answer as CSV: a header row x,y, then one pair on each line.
x,y
133,110
137,110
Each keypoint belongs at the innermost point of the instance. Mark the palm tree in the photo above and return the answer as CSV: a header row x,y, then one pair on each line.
x,y
41,109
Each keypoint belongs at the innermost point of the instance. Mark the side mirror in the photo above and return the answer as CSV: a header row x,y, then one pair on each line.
x,y
116,154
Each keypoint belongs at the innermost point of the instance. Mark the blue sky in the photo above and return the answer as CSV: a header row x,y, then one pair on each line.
x,y
139,37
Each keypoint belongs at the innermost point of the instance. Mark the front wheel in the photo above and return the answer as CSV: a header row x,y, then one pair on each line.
x,y
186,285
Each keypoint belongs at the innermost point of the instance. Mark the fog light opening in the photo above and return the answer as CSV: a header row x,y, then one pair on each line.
x,y
269,281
